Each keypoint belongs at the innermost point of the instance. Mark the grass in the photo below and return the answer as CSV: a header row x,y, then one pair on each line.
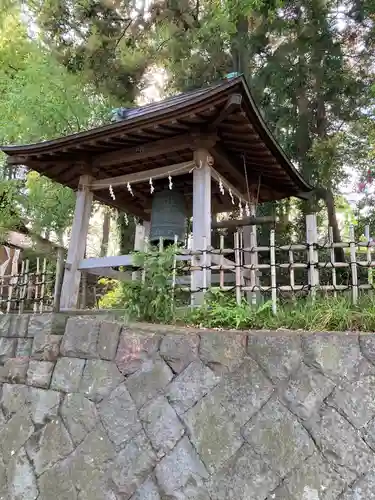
x,y
325,314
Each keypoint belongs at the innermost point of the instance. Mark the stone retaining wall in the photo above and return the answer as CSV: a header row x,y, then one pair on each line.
x,y
94,410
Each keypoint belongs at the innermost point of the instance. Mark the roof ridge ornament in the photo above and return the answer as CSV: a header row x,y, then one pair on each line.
x,y
234,74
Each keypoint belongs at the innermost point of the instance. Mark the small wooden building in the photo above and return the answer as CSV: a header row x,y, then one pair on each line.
x,y
210,144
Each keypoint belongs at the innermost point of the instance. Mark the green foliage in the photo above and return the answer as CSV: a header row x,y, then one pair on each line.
x,y
39,99
335,314
152,298
50,206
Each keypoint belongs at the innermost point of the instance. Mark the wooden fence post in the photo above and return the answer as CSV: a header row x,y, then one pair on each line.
x,y
353,264
370,277
273,271
313,257
60,264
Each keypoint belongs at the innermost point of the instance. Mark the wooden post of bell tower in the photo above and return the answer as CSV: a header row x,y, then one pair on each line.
x,y
201,279
77,244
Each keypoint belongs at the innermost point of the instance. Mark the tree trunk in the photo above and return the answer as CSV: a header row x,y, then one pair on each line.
x,y
329,200
240,48
126,233
105,233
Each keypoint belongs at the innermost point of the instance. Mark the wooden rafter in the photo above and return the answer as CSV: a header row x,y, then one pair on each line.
x,y
151,149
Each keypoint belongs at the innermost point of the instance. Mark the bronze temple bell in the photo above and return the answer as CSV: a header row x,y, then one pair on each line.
x,y
168,216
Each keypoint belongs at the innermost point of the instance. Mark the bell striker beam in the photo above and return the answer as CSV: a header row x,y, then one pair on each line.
x,y
201,279
77,245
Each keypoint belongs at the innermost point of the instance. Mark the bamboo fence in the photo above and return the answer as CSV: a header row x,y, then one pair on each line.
x,y
34,289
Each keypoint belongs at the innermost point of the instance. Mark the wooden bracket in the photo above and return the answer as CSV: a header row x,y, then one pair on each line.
x,y
233,103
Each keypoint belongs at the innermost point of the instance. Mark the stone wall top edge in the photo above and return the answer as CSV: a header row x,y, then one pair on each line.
x,y
162,329
186,330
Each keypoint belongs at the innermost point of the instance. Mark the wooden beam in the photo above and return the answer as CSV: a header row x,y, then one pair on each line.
x,y
77,245
93,263
221,158
246,221
137,177
233,103
149,149
228,185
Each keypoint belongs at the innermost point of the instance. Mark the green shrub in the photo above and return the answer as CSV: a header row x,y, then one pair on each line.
x,y
151,298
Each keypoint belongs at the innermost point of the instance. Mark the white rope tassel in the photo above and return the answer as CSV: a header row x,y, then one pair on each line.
x,y
170,183
221,187
112,194
247,210
126,219
152,189
231,196
129,188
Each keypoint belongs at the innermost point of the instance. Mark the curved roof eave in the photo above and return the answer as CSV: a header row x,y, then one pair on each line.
x,y
154,111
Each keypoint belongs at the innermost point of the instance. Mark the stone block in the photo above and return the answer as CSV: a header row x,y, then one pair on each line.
x,y
79,415
190,386
4,324
367,344
56,484
119,417
341,444
41,404
243,392
134,349
39,373
213,433
44,404
21,478
81,338
336,356
99,379
355,400
363,489
7,349
222,353
133,465
15,370
47,323
46,346
279,356
305,392
24,347
4,482
161,425
48,446
178,469
278,438
148,491
15,433
314,478
14,398
3,374
98,489
68,374
179,350
153,376
244,476
91,460
19,325
109,334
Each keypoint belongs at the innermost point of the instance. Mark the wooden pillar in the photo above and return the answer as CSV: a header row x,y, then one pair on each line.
x,y
250,241
313,257
77,245
201,279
